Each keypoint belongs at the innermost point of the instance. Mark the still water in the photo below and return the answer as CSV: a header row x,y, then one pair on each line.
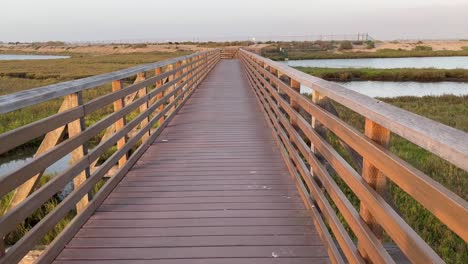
x,y
386,63
395,89
55,168
31,57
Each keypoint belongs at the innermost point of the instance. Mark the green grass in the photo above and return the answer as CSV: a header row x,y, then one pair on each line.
x,y
21,75
297,54
39,214
397,75
449,110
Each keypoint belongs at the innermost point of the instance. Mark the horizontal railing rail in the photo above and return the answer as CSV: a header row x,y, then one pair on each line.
x,y
38,95
229,53
138,113
298,123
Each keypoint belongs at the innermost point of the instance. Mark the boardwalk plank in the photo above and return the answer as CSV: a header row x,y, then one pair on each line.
x,y
213,188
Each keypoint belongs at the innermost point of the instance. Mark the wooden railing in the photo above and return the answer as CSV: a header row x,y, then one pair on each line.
x,y
229,53
138,114
296,119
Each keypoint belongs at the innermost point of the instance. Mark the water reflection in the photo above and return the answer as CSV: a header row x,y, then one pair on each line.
x,y
386,63
395,89
31,57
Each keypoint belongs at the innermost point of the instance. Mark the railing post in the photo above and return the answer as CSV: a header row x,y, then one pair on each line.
x,y
142,93
160,95
194,69
296,86
119,104
375,178
172,88
316,98
50,140
75,128
177,75
274,72
184,70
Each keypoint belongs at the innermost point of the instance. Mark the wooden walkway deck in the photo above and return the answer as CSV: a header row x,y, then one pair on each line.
x,y
213,188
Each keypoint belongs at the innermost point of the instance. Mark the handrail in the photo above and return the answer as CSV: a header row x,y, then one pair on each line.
x,y
447,142
18,100
140,112
277,88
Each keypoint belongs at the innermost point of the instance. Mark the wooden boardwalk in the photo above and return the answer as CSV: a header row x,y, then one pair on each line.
x,y
213,188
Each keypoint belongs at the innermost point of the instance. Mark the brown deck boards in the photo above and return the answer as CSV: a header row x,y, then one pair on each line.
x,y
213,188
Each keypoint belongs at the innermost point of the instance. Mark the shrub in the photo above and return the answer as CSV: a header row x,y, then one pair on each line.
x,y
139,46
422,48
54,43
346,45
370,44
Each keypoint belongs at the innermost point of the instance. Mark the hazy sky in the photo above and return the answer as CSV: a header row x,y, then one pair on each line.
x,y
106,20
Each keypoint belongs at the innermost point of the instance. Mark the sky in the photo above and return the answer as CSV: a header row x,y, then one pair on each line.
x,y
201,20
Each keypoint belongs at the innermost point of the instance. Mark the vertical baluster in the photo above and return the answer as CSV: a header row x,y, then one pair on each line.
x,y
160,95
142,93
296,86
177,75
201,66
75,128
316,98
375,178
190,74
119,104
171,89
273,71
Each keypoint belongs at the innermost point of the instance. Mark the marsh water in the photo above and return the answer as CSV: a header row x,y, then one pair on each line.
x,y
395,89
30,57
386,63
55,168
370,88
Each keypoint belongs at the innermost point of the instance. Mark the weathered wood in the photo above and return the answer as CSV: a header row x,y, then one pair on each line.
x,y
30,97
172,87
296,86
74,129
13,217
142,93
359,228
15,178
76,144
342,236
178,74
449,208
316,99
71,230
417,252
375,178
50,140
119,104
448,143
159,83
24,134
166,176
250,126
